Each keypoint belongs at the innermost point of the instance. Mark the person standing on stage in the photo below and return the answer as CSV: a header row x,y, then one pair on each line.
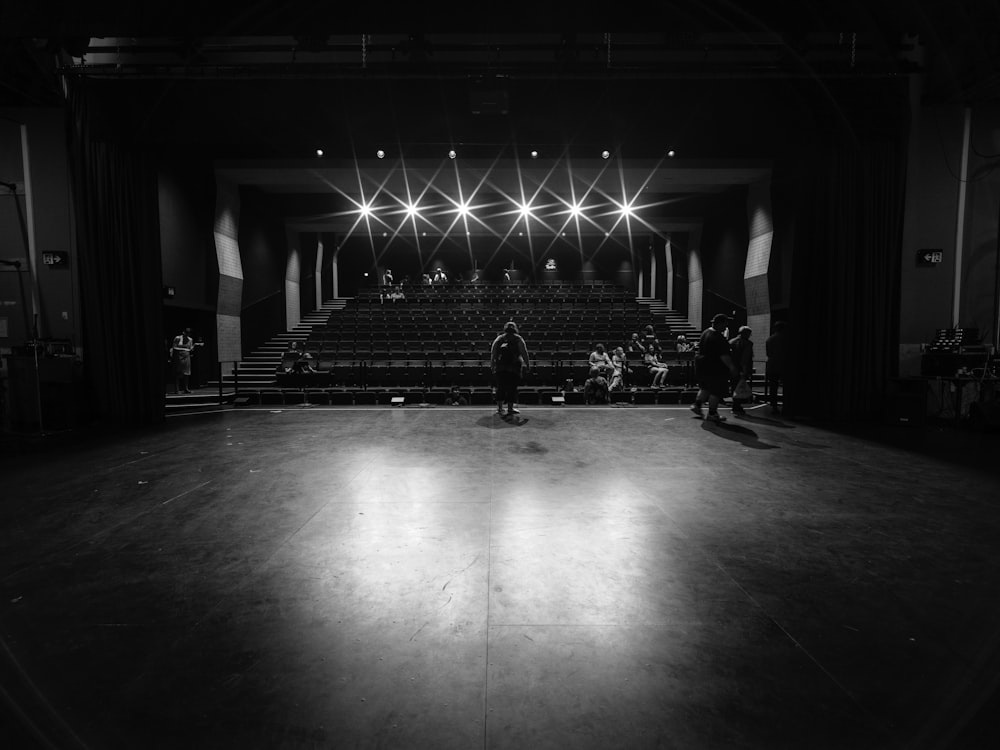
x,y
180,355
713,367
741,350
508,362
774,370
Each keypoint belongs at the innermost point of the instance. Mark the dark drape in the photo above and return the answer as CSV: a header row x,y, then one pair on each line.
x,y
845,297
117,225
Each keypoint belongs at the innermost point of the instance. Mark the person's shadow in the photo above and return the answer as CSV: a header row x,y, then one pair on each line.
x,y
495,422
737,433
752,416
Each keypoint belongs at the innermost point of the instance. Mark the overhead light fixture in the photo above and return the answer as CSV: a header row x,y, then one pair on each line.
x,y
452,154
365,209
605,154
534,154
524,209
412,210
671,153
319,152
575,210
380,154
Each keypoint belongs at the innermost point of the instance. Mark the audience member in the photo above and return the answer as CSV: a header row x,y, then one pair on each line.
x,y
683,345
600,362
741,350
595,389
387,277
774,369
440,277
657,369
635,345
297,360
620,362
508,362
713,368
455,398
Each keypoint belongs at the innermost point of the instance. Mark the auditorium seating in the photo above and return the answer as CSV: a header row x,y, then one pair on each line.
x,y
440,336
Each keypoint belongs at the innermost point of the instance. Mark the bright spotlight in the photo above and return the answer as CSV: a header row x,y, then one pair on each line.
x,y
671,153
525,210
605,154
463,209
534,154
412,210
365,209
319,152
626,210
452,154
380,154
575,210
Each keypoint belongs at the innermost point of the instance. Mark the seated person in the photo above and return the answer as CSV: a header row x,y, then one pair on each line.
x,y
595,390
620,363
296,360
683,345
635,345
455,398
600,362
657,370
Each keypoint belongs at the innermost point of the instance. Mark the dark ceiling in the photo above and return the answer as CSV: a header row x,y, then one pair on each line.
x,y
956,45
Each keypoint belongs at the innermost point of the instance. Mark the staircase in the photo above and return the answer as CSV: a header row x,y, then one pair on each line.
x,y
258,369
677,322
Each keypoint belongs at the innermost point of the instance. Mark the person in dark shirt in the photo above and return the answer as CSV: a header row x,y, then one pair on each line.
x,y
508,361
713,367
741,350
774,370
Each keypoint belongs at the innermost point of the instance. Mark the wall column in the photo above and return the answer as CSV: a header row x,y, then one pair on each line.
x,y
668,257
696,282
759,259
227,250
319,271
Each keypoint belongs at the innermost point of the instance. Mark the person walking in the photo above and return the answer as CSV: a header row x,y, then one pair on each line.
x,y
741,350
508,361
774,369
713,367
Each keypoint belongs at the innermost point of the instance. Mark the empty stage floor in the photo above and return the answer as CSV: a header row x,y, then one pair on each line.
x,y
441,578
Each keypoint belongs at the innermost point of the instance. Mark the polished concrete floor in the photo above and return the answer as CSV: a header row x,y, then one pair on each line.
x,y
442,578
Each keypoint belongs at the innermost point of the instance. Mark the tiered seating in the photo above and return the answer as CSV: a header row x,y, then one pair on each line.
x,y
441,335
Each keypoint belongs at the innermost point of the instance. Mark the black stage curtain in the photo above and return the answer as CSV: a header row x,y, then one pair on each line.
x,y
118,250
845,296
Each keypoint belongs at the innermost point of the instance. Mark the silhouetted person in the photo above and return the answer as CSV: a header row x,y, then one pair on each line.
x,y
508,360
774,370
180,354
741,350
713,367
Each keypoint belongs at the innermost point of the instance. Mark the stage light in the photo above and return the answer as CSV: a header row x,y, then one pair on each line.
x,y
605,154
380,154
525,210
452,154
463,209
671,153
412,210
575,210
365,209
319,152
626,209
534,154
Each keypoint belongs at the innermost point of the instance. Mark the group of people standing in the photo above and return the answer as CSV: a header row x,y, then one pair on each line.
x,y
725,367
